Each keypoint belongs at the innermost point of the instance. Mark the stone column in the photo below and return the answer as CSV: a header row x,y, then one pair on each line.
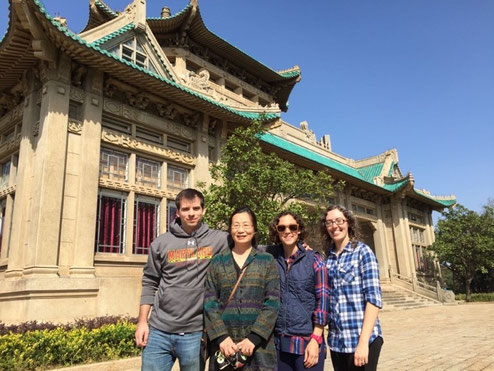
x,y
87,197
20,216
201,170
49,172
380,244
402,238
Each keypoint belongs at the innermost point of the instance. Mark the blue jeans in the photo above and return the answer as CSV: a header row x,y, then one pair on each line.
x,y
164,348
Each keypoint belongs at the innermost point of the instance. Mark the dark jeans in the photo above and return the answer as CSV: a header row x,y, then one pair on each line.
x,y
344,361
295,362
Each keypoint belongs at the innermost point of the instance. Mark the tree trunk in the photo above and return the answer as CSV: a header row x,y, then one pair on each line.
x,y
468,282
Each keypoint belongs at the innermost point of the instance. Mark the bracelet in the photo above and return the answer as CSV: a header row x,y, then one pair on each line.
x,y
317,338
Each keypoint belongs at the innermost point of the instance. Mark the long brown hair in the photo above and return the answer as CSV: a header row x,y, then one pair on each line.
x,y
353,230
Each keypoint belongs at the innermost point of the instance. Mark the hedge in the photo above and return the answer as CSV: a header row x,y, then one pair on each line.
x,y
478,297
48,348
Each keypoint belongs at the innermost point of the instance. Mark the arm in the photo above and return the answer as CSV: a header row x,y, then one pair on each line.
x,y
150,282
320,313
362,352
142,331
372,295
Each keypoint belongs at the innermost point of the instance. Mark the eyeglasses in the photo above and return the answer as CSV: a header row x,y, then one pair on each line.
x,y
337,221
283,228
245,227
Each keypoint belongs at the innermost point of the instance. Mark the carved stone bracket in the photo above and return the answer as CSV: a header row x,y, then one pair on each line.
x,y
77,94
79,73
127,141
12,115
10,145
36,129
7,191
125,187
75,127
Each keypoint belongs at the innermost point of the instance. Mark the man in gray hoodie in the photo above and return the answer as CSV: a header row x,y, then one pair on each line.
x,y
173,284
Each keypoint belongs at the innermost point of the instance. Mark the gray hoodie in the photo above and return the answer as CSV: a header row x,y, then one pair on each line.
x,y
173,277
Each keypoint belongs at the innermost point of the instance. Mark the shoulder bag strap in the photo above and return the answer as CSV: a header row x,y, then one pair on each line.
x,y
236,285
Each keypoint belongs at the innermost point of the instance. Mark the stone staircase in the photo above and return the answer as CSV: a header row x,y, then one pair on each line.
x,y
397,298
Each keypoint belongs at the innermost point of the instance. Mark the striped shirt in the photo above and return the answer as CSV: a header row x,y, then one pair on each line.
x,y
297,344
354,281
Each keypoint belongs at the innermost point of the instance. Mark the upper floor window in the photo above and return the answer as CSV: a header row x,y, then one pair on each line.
x,y
4,175
178,144
131,50
417,235
113,165
177,178
148,173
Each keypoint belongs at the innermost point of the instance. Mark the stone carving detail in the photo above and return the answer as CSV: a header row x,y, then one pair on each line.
x,y
10,145
79,73
121,186
36,128
7,191
139,101
12,115
127,141
311,137
75,127
77,94
109,89
198,80
167,111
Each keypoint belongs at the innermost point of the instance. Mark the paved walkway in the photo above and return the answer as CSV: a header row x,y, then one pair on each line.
x,y
459,337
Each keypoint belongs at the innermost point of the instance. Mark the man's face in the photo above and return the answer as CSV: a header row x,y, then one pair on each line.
x,y
190,214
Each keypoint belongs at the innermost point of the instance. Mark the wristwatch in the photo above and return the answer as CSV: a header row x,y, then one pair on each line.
x,y
317,338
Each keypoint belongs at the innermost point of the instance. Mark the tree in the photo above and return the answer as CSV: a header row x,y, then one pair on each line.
x,y
248,176
465,242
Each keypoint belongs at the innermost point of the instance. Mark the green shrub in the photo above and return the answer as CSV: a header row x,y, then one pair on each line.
x,y
478,297
41,349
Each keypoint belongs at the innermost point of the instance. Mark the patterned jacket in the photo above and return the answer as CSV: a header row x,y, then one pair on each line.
x,y
253,308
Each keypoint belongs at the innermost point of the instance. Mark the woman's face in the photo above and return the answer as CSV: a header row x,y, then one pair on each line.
x,y
242,229
337,226
288,230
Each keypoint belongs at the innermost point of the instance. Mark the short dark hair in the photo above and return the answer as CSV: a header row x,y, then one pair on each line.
x,y
273,232
240,210
353,230
189,194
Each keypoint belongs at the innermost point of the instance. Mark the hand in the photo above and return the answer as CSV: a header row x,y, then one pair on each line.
x,y
246,347
307,247
361,355
142,334
311,356
228,347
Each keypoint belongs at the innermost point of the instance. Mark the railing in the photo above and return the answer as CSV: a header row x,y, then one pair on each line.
x,y
421,288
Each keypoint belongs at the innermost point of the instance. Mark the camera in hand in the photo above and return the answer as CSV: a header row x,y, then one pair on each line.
x,y
236,361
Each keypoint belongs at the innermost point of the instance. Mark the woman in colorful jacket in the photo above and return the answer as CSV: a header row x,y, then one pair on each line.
x,y
303,295
246,323
355,336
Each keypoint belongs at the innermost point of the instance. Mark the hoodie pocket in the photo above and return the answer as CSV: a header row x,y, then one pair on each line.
x,y
182,303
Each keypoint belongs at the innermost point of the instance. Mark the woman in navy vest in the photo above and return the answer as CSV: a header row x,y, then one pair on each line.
x,y
304,296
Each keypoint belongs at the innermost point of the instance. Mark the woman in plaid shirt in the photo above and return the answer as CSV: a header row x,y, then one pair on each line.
x,y
355,336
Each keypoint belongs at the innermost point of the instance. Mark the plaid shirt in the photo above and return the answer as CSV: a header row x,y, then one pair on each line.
x,y
297,344
354,281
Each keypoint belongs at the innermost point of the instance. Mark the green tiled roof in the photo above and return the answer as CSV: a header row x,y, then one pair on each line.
x,y
105,8
189,5
444,202
68,33
114,34
391,168
326,161
371,171
290,73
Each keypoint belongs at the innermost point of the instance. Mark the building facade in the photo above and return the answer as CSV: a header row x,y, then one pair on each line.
x,y
100,130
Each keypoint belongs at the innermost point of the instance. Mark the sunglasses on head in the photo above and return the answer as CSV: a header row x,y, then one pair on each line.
x,y
291,227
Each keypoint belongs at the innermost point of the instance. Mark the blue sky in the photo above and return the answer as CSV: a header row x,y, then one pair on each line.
x,y
416,75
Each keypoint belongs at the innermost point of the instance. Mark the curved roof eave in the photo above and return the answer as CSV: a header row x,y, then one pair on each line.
x,y
16,54
99,13
129,73
199,32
